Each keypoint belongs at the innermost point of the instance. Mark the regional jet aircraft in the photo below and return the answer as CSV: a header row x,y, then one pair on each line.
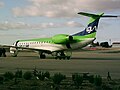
x,y
59,44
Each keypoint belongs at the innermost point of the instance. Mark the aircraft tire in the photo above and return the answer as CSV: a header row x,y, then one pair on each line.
x,y
60,58
64,58
14,55
42,56
56,58
0,54
68,58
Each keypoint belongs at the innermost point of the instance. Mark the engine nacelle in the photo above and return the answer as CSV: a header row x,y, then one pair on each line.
x,y
62,39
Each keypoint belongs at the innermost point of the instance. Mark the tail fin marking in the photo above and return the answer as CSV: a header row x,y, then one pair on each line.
x,y
92,25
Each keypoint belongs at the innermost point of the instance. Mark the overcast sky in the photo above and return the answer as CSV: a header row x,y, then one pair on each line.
x,y
26,19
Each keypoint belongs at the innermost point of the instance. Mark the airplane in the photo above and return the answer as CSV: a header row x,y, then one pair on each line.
x,y
61,45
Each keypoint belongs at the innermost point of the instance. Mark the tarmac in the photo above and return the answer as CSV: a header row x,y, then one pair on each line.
x,y
98,62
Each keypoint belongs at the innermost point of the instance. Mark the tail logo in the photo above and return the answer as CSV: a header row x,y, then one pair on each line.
x,y
90,29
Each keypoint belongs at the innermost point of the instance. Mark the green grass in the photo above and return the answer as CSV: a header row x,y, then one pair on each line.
x,y
48,84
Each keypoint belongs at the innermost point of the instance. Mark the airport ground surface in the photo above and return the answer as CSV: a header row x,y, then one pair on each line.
x,y
94,62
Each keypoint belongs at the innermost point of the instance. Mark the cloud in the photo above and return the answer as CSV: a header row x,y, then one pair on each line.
x,y
1,4
73,24
10,25
21,25
64,8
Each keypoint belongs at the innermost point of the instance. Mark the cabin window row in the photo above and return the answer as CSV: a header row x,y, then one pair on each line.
x,y
34,42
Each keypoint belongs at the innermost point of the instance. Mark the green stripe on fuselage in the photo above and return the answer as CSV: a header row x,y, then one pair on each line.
x,y
49,40
38,40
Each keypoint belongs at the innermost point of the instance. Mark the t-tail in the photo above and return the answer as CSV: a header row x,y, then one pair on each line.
x,y
90,30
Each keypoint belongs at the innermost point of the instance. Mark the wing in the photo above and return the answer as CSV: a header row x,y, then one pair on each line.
x,y
35,49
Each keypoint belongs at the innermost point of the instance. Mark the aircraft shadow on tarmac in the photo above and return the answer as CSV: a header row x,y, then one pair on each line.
x,y
74,58
87,58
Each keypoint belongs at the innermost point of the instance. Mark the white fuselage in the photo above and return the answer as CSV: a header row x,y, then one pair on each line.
x,y
52,47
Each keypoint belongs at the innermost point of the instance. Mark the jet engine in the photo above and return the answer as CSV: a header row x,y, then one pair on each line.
x,y
62,39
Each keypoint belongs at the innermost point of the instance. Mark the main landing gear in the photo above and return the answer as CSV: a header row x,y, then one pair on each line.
x,y
57,55
63,55
42,55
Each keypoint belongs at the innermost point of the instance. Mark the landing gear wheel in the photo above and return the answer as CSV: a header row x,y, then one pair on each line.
x,y
68,57
62,55
55,57
42,56
14,54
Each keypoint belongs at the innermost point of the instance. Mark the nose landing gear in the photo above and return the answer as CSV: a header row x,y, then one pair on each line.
x,y
14,53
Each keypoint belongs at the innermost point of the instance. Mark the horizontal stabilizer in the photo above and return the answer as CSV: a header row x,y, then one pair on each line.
x,y
89,14
109,16
96,15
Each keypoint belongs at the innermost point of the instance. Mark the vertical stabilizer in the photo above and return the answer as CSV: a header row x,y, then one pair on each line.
x,y
92,24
